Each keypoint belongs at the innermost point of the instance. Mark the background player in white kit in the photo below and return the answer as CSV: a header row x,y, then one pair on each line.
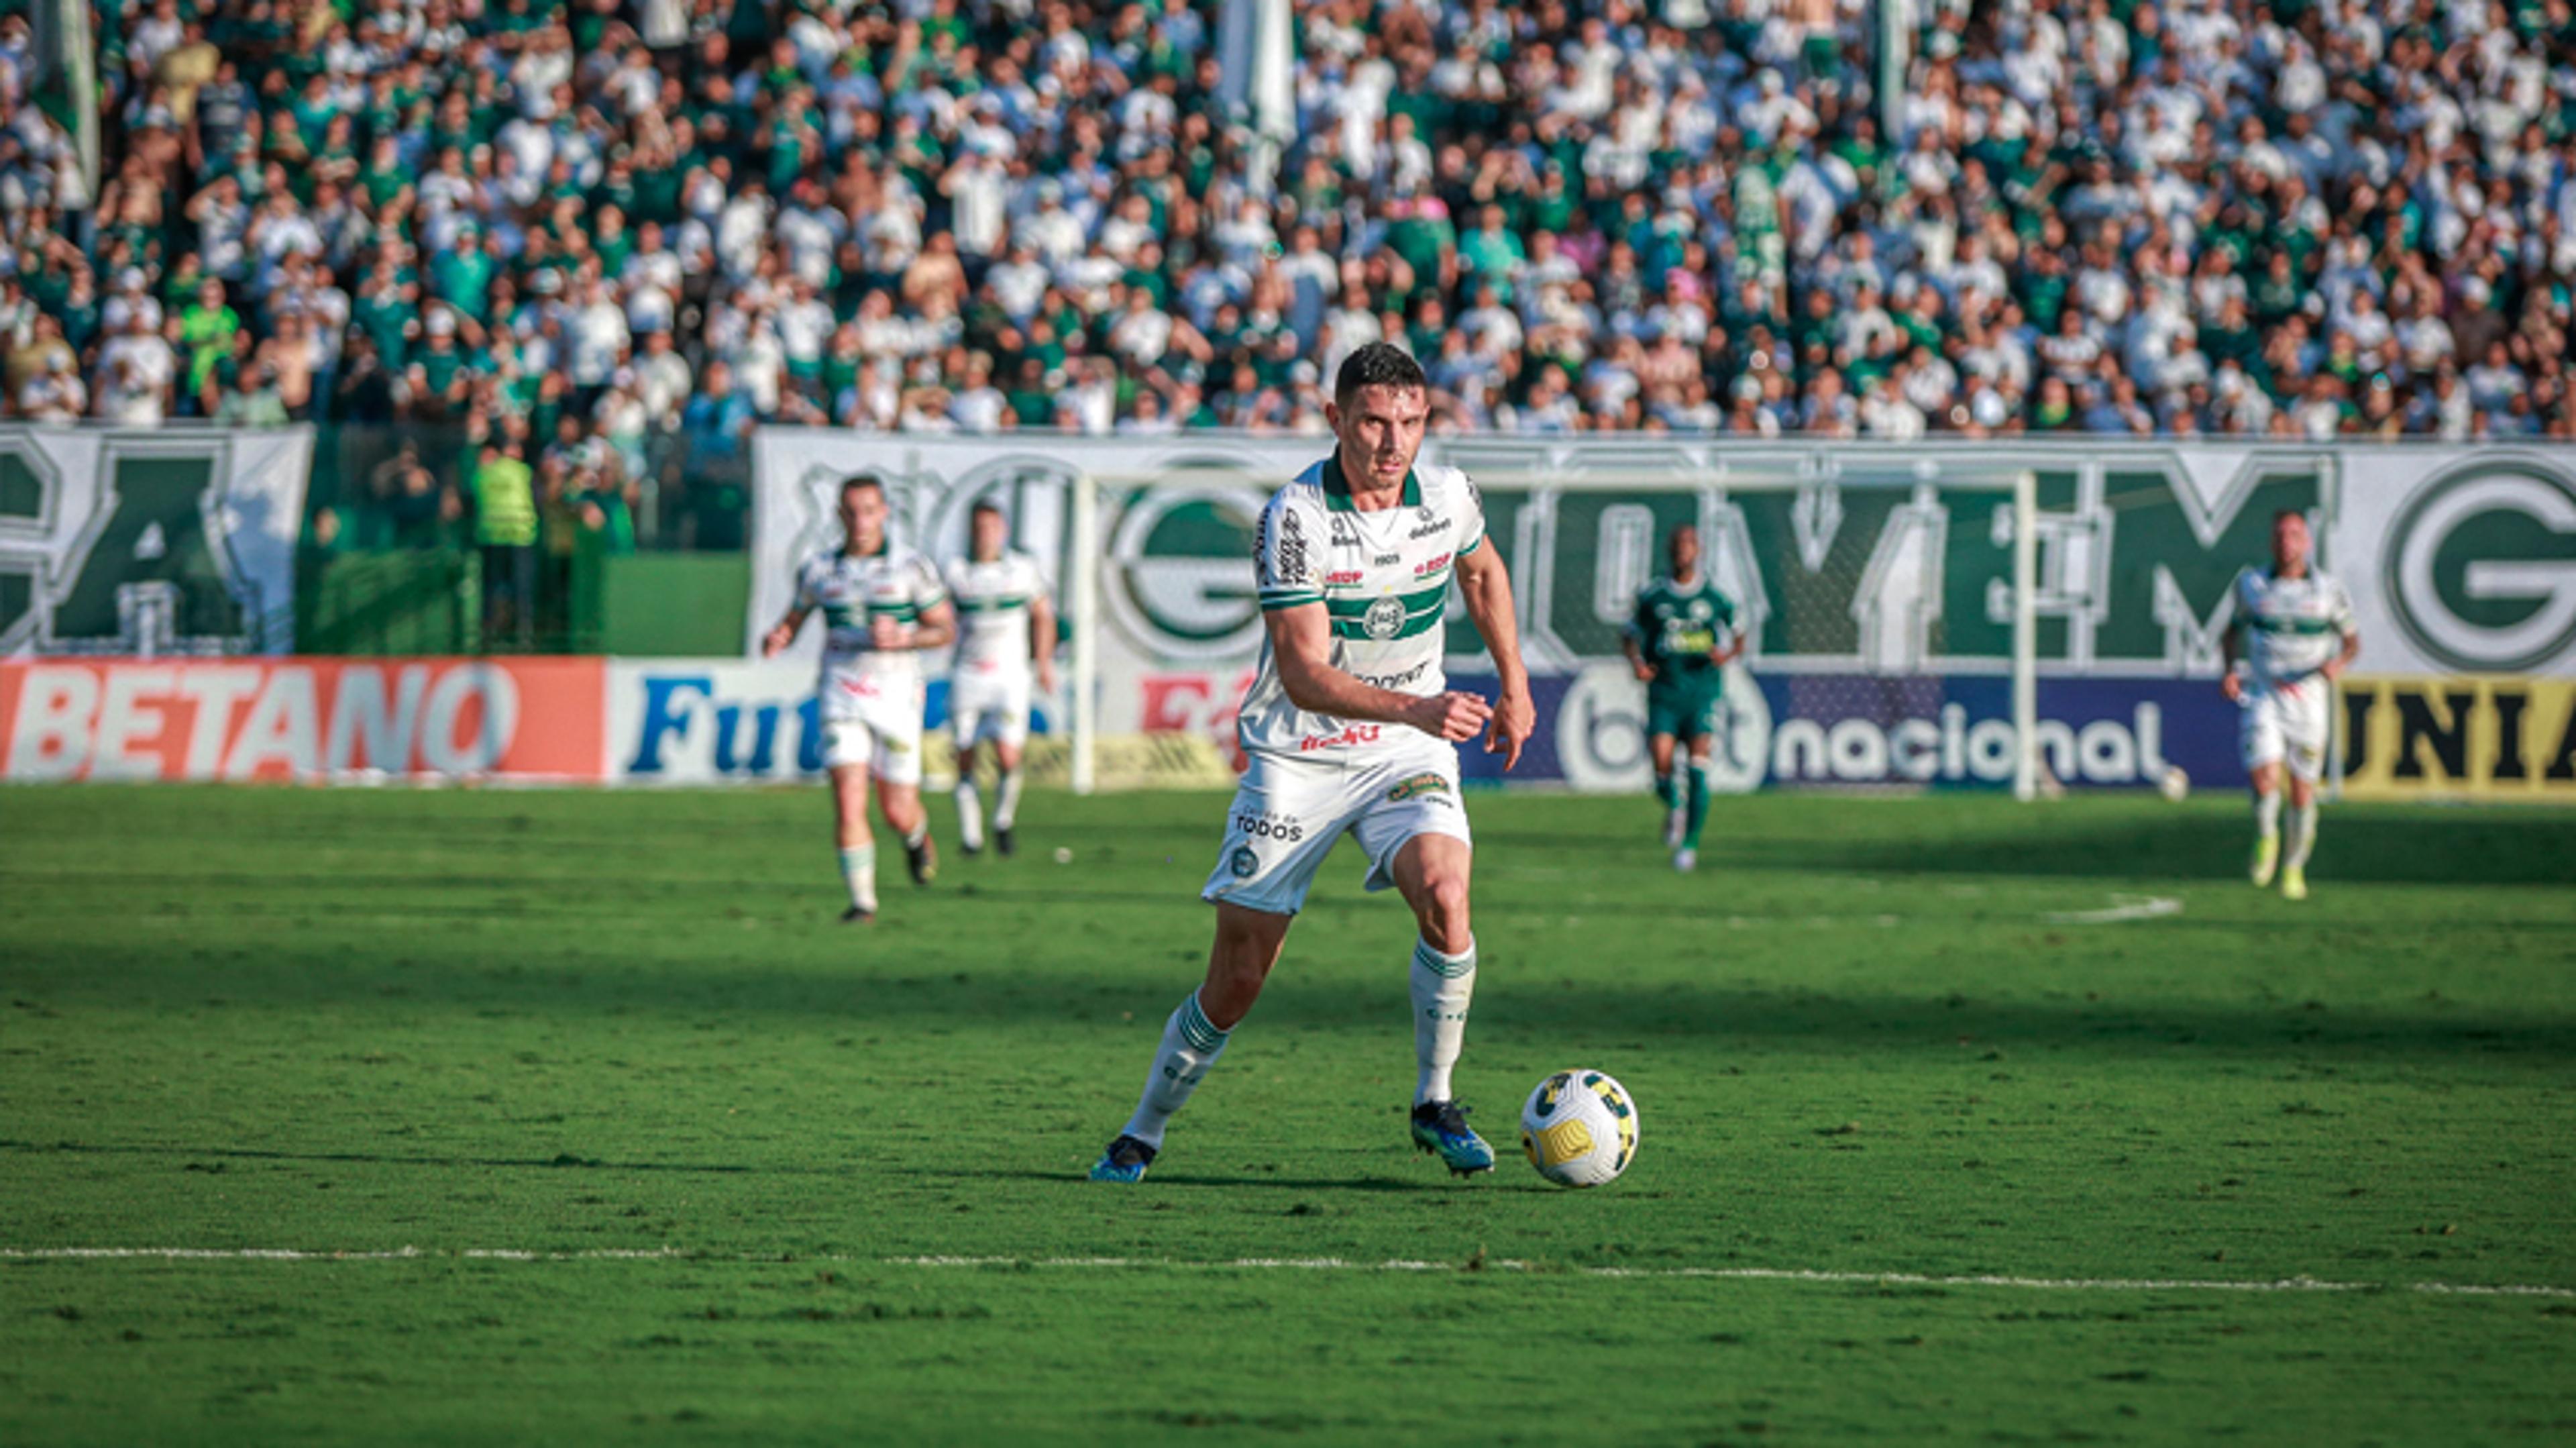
x,y
2293,629
882,604
1350,727
1004,627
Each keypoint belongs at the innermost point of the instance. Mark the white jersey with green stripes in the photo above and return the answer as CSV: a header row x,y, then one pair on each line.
x,y
2293,626
850,591
1382,577
993,599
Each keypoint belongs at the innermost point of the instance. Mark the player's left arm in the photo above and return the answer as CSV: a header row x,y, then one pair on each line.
x,y
1486,586
1042,637
934,622
936,627
2346,625
1731,646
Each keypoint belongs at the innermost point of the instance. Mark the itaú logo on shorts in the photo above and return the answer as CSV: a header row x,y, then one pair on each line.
x,y
1356,734
2481,565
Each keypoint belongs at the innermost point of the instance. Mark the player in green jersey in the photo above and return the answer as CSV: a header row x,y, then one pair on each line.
x,y
1679,643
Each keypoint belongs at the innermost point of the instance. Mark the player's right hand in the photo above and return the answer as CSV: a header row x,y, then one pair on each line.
x,y
1645,671
776,640
1452,716
2233,686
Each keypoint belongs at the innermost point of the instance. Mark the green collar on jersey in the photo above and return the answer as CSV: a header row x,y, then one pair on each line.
x,y
885,545
1337,489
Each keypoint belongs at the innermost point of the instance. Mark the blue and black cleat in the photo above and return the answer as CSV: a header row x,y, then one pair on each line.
x,y
1440,1127
1126,1160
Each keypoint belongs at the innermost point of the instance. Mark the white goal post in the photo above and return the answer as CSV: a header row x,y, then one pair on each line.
x,y
1866,588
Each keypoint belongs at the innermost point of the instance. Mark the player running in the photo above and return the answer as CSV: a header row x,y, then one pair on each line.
x,y
1004,625
882,604
1680,642
2300,625
1349,727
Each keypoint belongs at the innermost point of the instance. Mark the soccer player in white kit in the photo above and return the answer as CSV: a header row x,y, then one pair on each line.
x,y
882,604
1349,726
1005,643
2294,635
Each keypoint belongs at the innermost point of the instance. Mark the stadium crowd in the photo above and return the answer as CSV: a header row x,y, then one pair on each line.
x,y
581,231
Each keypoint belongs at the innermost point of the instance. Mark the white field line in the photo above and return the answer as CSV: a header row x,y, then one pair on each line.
x,y
1295,1264
2130,907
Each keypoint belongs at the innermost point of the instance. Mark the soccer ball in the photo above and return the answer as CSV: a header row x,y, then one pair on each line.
x,y
1579,1128
2175,784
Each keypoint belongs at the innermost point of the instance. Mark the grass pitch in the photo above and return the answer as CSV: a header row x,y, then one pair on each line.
x,y
1909,1042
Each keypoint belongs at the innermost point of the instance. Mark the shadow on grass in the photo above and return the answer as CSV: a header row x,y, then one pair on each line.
x,y
1520,996
2422,846
1073,1175
565,1161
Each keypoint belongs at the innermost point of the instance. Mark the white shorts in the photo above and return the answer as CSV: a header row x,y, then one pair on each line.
x,y
874,725
989,708
2288,726
1287,814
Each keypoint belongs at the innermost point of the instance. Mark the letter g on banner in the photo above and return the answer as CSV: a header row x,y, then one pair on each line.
x,y
2481,566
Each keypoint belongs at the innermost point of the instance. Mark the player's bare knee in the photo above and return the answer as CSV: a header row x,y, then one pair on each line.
x,y
1441,907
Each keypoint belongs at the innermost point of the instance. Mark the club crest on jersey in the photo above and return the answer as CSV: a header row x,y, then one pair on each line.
x,y
1385,618
1418,784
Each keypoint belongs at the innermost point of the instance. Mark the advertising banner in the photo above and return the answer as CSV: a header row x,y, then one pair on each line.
x,y
1859,572
713,721
301,719
2497,737
2460,560
120,543
1917,731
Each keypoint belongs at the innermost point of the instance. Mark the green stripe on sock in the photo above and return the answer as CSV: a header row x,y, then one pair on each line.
x,y
1442,965
1196,1028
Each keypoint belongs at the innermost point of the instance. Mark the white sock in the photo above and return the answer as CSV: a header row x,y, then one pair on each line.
x,y
1007,808
1191,1044
2267,815
913,837
2303,834
1442,986
859,872
970,812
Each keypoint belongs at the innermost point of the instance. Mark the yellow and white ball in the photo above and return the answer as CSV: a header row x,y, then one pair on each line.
x,y
1579,1128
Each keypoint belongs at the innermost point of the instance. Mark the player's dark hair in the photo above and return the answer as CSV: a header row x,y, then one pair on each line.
x,y
862,480
2280,513
1379,364
985,505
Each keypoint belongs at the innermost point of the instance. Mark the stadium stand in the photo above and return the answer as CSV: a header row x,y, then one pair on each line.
x,y
602,241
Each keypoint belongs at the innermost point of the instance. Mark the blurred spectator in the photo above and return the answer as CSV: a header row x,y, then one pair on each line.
x,y
505,529
54,395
